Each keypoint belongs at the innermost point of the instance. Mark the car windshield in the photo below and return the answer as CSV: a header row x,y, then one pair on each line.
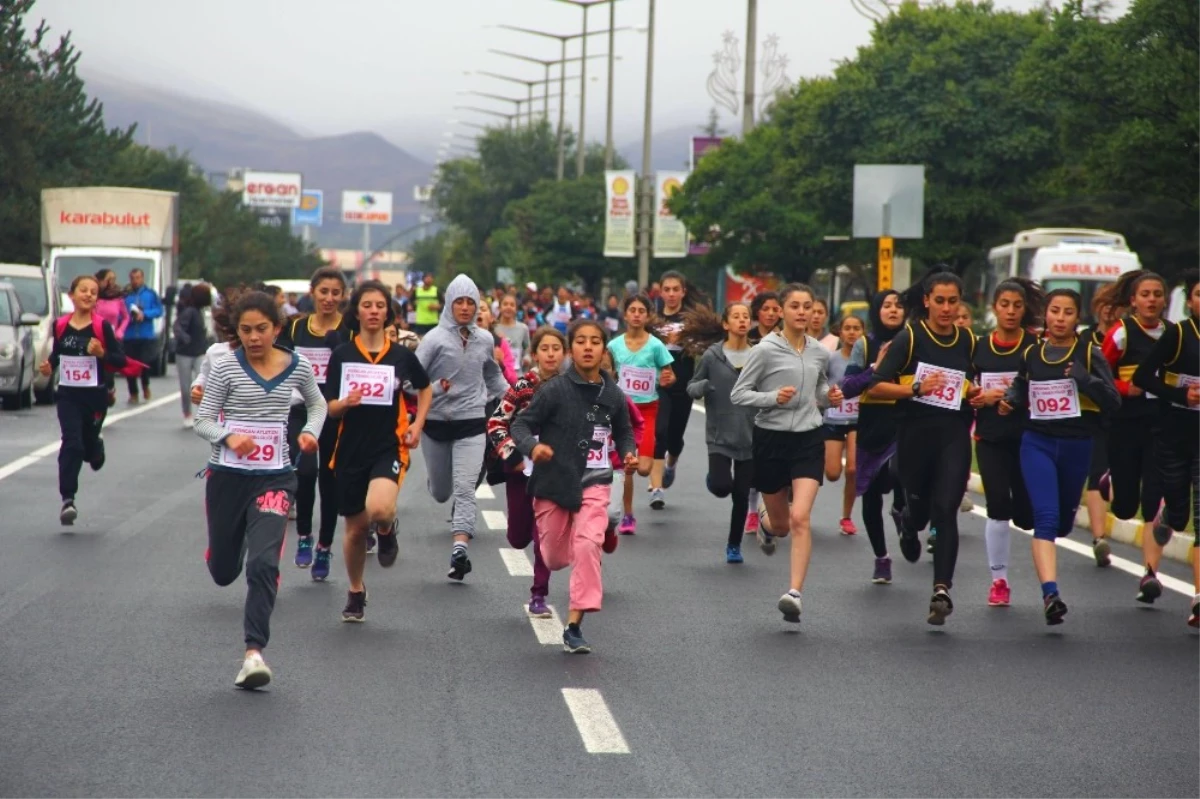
x,y
32,291
5,313
69,267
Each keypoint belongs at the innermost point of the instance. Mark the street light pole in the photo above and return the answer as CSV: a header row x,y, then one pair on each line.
x,y
645,212
580,147
562,106
608,117
748,92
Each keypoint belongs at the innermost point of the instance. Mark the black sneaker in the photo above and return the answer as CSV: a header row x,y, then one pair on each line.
x,y
940,607
97,459
573,640
1161,530
910,545
1194,619
388,547
1102,552
460,565
1149,589
68,514
356,606
931,542
1055,609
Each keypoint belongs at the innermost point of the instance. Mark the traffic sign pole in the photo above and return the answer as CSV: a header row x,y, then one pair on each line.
x,y
887,253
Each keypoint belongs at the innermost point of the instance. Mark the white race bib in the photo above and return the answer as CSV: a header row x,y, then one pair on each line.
x,y
267,454
319,358
528,470
638,380
377,382
846,412
612,323
597,456
78,371
1185,382
949,396
1000,380
1053,399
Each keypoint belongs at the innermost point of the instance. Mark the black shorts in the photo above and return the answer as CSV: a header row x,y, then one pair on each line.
x,y
838,432
353,481
782,456
1099,462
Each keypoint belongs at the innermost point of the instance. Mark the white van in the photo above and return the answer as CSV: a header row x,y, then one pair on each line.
x,y
1085,268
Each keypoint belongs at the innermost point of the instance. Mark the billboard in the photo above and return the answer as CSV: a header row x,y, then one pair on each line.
x,y
271,189
670,235
619,207
311,209
700,146
742,287
367,207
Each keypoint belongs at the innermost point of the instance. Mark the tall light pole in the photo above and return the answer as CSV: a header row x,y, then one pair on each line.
x,y
748,92
530,83
608,113
645,211
509,117
581,153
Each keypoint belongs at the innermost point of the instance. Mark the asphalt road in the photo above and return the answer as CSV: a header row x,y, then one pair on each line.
x,y
119,655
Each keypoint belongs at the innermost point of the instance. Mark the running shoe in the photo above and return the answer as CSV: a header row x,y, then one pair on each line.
x,y
1104,486
751,526
668,476
940,607
371,543
460,565
146,393
538,609
610,539
883,571
898,520
628,525
573,640
766,541
68,514
1055,609
389,547
1162,530
931,542
304,552
848,527
967,505
789,606
910,545
97,459
320,567
1149,589
254,674
658,499
1194,619
733,554
188,423
1000,596
1102,552
356,606
133,399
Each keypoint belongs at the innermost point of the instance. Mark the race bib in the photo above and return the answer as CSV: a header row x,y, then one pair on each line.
x,y
1186,382
267,454
846,412
1000,380
597,454
1053,399
949,396
319,358
638,380
612,324
528,470
78,371
377,382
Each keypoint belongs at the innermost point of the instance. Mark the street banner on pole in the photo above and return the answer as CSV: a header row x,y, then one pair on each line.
x,y
700,146
271,189
619,207
670,235
311,210
367,207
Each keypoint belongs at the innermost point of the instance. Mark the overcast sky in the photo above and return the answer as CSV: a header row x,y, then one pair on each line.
x,y
395,66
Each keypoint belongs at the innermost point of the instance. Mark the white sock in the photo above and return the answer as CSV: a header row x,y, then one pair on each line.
x,y
997,534
753,501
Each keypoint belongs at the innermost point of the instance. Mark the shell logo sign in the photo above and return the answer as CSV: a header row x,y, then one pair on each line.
x,y
671,186
620,186
309,202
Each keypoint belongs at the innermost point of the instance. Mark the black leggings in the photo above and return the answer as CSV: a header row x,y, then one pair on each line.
x,y
1003,486
141,349
80,423
674,410
885,480
727,477
1178,460
933,456
1133,467
313,472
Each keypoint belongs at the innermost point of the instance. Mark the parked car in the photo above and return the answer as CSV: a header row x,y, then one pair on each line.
x,y
18,360
35,288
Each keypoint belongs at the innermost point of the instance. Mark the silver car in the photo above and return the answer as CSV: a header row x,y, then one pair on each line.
x,y
35,288
18,360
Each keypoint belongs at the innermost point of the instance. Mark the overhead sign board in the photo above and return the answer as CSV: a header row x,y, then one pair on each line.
x,y
271,189
889,200
367,207
311,209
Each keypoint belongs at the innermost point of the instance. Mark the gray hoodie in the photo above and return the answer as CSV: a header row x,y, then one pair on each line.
x,y
774,364
469,364
728,428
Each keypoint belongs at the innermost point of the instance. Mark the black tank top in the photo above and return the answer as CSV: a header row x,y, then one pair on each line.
x,y
1138,344
876,417
1187,355
299,336
999,365
1036,368
954,351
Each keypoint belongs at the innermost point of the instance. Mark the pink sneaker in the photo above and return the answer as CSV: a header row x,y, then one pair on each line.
x,y
628,525
751,522
1000,595
848,527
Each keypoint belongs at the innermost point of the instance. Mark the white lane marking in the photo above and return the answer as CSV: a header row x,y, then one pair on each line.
x,y
699,407
485,492
517,562
1128,566
495,519
597,727
14,466
549,631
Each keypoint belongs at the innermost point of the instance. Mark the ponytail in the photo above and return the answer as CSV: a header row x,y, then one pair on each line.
x,y
1127,285
701,329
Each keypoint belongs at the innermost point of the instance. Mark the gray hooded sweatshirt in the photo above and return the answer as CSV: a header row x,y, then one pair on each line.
x,y
464,355
773,364
728,428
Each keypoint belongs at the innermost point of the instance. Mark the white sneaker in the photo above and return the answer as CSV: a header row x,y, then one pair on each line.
x,y
255,673
789,606
188,424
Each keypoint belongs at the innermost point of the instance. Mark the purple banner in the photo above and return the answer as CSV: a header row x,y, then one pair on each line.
x,y
700,146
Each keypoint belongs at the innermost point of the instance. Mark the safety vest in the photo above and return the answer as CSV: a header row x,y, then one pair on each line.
x,y
426,299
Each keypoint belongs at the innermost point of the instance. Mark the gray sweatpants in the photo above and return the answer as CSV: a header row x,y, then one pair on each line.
x,y
188,369
453,468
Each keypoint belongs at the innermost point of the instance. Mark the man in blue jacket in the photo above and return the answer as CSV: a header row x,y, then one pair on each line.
x,y
144,307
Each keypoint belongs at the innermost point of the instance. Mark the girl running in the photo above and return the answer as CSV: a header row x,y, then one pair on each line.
x,y
840,420
566,431
1065,385
785,377
110,307
1172,371
513,331
316,336
84,345
675,406
877,427
1133,465
816,322
765,311
1016,304
728,428
505,357
643,366
191,341
1106,313
926,369
374,436
250,485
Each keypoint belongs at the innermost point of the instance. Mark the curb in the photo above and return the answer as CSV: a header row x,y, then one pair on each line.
x,y
1127,532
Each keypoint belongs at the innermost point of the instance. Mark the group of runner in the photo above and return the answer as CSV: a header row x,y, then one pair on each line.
x,y
332,403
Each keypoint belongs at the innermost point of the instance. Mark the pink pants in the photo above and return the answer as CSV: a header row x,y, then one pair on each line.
x,y
574,539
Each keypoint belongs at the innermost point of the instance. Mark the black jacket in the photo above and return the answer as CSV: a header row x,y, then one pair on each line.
x,y
190,337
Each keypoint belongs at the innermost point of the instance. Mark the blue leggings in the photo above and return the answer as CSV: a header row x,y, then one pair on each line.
x,y
1055,470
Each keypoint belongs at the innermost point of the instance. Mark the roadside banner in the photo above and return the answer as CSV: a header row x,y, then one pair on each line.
x,y
670,235
311,210
367,207
619,210
271,189
700,146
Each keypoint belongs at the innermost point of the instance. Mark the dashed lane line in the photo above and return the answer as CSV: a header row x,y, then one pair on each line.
x,y
549,631
495,519
597,727
516,562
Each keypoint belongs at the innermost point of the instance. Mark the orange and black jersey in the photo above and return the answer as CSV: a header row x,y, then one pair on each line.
x,y
367,432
